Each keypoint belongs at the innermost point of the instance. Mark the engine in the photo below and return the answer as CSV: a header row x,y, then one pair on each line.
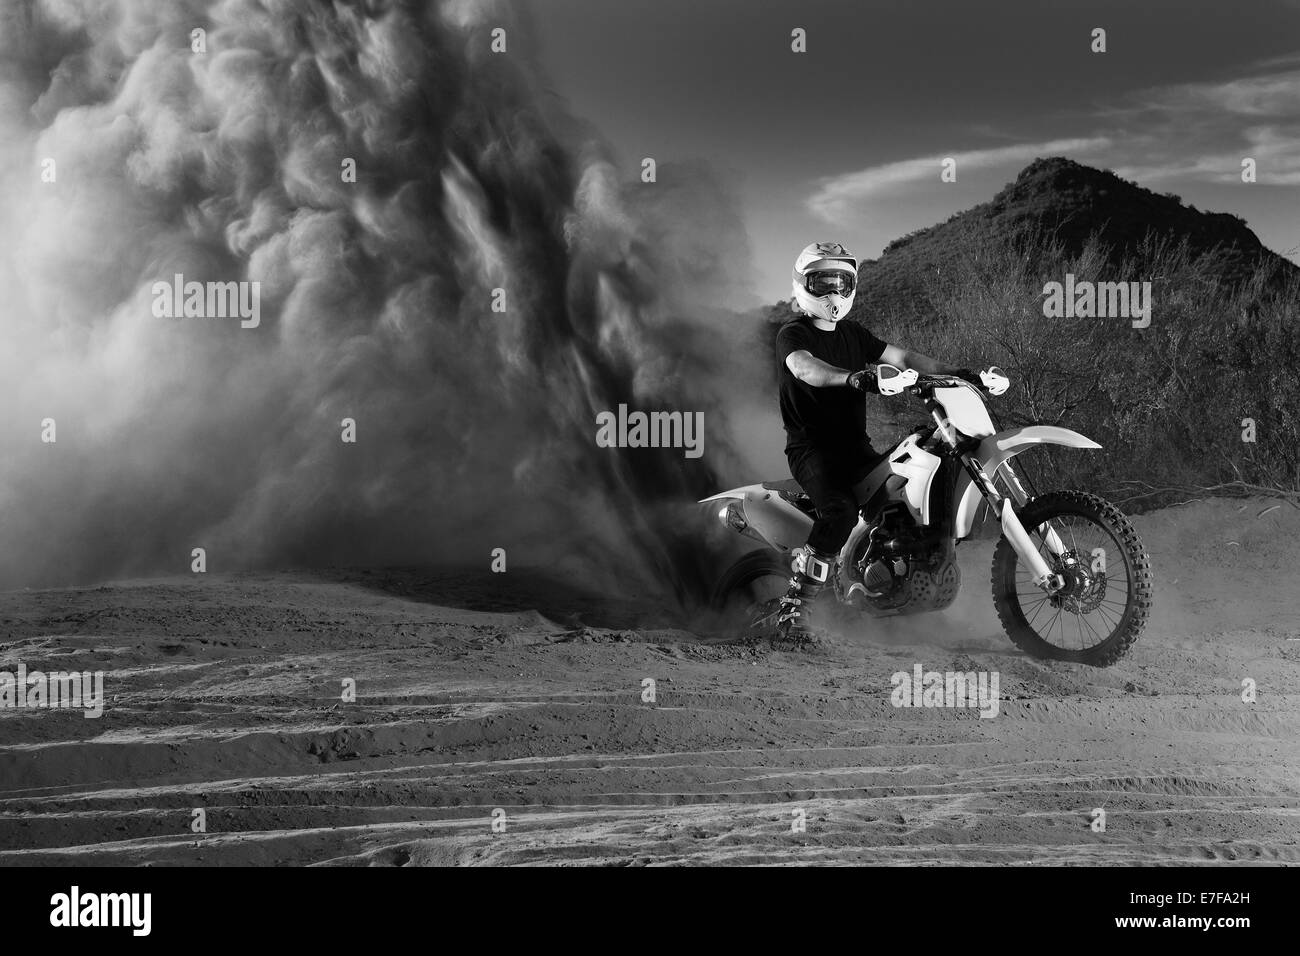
x,y
901,568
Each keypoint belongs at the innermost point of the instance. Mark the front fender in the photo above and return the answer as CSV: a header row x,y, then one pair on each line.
x,y
995,450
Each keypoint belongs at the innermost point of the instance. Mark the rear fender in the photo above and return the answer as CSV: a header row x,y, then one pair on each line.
x,y
764,514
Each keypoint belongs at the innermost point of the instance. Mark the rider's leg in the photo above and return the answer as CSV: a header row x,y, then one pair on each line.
x,y
828,484
859,471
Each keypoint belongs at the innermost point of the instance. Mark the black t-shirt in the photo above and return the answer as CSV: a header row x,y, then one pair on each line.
x,y
830,419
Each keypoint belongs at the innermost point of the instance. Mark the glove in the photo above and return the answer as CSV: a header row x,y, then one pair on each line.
x,y
967,375
863,380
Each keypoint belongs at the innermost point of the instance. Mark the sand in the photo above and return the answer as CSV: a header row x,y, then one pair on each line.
x,y
480,692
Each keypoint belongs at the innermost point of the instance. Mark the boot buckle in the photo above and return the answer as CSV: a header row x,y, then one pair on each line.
x,y
808,563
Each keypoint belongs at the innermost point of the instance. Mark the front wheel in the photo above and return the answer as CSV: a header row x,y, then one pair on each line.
x,y
1099,613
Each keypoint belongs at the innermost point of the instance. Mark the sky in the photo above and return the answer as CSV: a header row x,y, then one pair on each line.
x,y
844,142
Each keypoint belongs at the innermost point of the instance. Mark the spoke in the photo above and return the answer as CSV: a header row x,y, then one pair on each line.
x,y
1109,614
1084,619
1031,620
1043,634
1055,620
1101,612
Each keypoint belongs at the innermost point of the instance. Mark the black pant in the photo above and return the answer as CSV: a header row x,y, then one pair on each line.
x,y
831,482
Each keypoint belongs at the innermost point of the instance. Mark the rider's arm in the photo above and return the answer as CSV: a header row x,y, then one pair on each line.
x,y
905,359
808,368
804,366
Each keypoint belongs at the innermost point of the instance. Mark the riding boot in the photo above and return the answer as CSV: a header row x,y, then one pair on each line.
x,y
811,572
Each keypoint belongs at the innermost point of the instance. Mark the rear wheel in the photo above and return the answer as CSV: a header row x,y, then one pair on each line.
x,y
1106,600
747,594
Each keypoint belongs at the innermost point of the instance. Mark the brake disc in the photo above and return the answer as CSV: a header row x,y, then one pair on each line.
x,y
1087,588
1089,599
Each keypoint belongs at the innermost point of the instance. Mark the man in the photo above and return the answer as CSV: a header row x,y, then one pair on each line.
x,y
823,380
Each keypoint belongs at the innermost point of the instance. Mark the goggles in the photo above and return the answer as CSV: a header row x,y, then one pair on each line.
x,y
830,282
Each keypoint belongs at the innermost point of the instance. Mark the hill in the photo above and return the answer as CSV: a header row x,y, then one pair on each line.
x,y
1063,205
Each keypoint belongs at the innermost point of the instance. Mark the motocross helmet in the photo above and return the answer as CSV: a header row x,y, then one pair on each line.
x,y
824,281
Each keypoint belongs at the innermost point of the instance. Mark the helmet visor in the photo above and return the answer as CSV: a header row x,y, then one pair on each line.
x,y
830,282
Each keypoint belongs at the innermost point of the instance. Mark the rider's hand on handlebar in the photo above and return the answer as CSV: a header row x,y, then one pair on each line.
x,y
864,380
967,375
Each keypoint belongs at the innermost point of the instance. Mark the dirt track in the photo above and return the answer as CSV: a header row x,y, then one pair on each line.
x,y
479,691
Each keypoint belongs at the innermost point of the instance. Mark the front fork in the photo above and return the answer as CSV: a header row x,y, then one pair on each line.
x,y
1004,506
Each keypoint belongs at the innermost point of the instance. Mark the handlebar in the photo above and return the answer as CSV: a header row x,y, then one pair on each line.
x,y
923,380
992,380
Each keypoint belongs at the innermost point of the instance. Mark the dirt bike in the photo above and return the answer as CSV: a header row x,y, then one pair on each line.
x,y
1071,580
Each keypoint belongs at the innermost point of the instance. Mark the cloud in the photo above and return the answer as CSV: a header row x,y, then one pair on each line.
x,y
1189,132
1200,132
837,196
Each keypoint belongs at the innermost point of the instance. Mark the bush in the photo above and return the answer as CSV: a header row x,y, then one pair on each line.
x,y
1167,402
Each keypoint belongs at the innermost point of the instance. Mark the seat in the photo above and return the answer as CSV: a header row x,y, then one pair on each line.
x,y
787,487
790,491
